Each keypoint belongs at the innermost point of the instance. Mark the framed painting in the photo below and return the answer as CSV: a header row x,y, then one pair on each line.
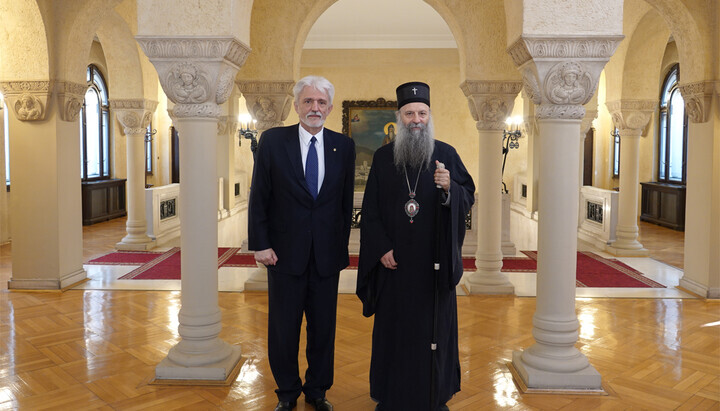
x,y
371,124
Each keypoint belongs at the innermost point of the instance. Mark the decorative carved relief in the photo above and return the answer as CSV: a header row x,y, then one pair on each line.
x,y
133,115
27,98
186,84
569,83
698,98
533,48
571,111
268,102
491,102
193,48
631,116
29,107
560,74
197,74
70,99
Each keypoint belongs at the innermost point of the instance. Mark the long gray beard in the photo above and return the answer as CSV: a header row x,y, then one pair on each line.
x,y
413,149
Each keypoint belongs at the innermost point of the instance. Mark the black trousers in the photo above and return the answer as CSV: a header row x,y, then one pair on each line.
x,y
290,297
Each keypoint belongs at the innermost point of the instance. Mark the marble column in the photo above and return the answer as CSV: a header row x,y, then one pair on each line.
x,y
630,117
491,102
135,116
560,75
197,75
4,220
45,203
269,103
227,131
702,219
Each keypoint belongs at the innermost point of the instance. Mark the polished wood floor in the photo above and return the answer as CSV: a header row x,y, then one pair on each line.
x,y
98,350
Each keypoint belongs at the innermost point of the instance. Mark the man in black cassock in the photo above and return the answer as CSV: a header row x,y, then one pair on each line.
x,y
413,216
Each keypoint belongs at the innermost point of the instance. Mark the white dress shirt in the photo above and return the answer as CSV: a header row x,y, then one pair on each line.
x,y
305,137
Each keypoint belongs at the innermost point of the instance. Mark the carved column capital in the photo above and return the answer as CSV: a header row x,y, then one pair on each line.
x,y
227,125
28,99
491,102
631,116
196,73
561,74
133,115
268,102
698,99
70,99
586,123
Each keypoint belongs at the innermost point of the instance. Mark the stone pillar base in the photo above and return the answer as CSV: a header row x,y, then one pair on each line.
x,y
149,245
625,252
586,379
490,289
219,371
258,281
508,248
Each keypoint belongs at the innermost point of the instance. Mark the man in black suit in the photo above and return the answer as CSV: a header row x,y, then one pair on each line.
x,y
300,210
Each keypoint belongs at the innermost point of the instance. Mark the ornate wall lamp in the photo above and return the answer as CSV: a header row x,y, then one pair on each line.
x,y
510,141
248,130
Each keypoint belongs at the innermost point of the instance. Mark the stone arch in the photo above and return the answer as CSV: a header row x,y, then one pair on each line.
x,y
643,58
23,24
692,46
480,33
124,69
79,22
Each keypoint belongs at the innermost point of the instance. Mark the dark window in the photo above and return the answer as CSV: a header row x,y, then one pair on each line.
x,y
672,141
95,128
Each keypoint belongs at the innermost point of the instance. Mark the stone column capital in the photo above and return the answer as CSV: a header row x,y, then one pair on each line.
x,y
698,99
28,98
227,125
268,102
560,74
586,123
490,102
70,99
196,73
133,114
631,116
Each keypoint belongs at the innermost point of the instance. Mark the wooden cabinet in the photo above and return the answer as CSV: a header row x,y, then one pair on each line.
x,y
103,200
663,204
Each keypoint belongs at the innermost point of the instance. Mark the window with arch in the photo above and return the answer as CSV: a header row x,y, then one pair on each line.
x,y
95,128
672,141
616,152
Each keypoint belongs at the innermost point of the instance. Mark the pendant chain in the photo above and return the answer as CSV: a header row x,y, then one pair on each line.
x,y
411,192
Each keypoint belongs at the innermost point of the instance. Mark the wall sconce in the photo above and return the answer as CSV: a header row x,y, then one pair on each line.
x,y
248,130
510,141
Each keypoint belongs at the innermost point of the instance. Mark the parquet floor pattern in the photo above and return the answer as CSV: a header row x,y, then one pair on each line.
x,y
85,350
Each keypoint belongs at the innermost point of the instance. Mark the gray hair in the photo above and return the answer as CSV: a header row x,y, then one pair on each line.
x,y
317,82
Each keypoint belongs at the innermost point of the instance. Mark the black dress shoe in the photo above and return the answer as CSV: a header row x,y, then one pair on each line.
x,y
286,406
320,404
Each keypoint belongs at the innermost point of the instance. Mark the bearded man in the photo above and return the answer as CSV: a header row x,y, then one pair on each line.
x,y
412,229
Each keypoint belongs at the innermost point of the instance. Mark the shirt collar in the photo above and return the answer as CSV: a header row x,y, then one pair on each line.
x,y
305,137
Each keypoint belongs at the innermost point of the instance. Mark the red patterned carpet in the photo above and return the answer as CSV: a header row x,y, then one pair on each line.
x,y
592,269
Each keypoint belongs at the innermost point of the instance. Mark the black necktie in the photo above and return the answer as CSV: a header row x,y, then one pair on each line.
x,y
311,168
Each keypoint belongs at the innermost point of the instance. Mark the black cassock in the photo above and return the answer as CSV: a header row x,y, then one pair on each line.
x,y
402,300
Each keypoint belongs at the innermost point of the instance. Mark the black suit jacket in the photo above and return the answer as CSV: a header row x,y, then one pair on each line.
x,y
283,214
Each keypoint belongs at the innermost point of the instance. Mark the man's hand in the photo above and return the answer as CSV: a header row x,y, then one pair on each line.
x,y
266,256
442,177
388,260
